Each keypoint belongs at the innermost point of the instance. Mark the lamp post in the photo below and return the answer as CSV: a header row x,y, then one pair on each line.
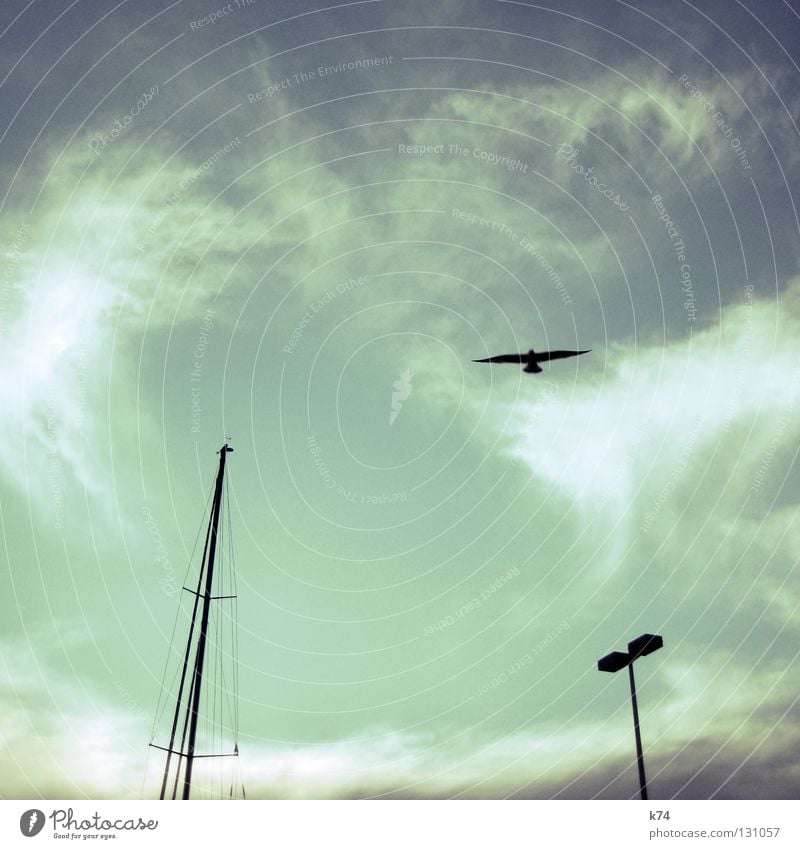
x,y
646,644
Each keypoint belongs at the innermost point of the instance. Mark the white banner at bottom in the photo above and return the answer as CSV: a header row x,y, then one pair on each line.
x,y
401,824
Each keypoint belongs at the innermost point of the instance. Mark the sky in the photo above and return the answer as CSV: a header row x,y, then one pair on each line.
x,y
292,227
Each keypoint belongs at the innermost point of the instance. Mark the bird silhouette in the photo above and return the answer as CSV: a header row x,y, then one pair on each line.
x,y
532,358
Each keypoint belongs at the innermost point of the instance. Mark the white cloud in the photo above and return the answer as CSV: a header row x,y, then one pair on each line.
x,y
640,426
68,740
63,738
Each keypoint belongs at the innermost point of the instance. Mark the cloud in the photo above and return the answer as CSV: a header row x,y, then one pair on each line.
x,y
64,739
637,430
713,729
109,256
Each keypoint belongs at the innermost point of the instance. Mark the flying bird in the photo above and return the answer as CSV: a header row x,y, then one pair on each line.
x,y
532,359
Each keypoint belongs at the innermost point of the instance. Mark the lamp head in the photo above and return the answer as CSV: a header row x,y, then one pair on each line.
x,y
646,644
614,662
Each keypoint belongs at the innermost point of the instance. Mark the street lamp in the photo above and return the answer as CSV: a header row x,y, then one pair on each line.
x,y
646,644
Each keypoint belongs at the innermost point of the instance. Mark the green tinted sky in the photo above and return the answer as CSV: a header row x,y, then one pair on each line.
x,y
331,238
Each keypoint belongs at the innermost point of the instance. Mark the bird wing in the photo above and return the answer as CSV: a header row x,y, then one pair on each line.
x,y
505,358
558,355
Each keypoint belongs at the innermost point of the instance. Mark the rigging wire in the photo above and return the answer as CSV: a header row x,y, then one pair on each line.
x,y
163,691
234,591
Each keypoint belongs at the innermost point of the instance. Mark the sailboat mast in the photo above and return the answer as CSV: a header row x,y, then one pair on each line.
x,y
179,701
201,642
